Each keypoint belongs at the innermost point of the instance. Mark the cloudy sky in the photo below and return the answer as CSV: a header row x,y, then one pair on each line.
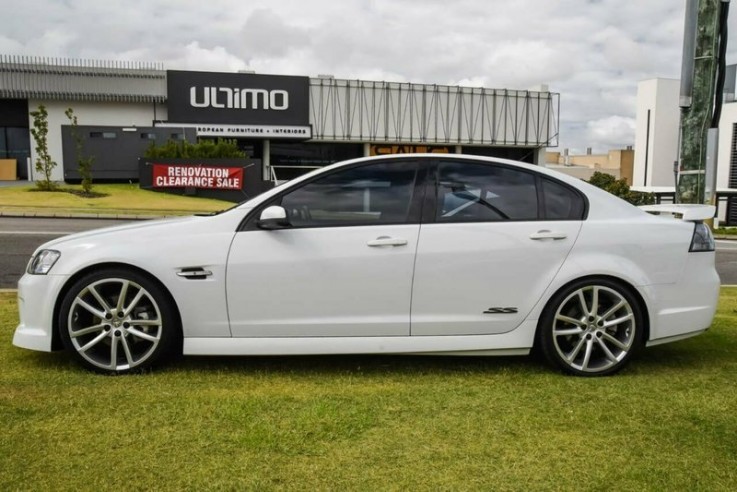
x,y
592,52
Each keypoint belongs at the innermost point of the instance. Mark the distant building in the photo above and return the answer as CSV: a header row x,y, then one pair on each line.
x,y
618,163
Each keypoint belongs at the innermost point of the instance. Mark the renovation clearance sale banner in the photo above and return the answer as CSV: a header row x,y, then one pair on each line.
x,y
197,176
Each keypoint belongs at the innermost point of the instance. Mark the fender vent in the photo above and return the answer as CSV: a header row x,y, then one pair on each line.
x,y
194,273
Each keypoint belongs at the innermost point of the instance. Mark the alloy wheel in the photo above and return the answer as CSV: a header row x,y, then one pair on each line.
x,y
114,324
594,329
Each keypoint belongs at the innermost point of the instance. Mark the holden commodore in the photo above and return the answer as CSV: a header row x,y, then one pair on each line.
x,y
413,254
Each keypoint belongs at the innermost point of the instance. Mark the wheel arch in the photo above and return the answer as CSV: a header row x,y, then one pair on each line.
x,y
641,304
56,343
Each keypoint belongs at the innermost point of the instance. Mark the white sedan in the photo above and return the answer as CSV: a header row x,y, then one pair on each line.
x,y
413,254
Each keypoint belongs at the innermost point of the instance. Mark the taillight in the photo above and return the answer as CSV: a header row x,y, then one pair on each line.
x,y
702,239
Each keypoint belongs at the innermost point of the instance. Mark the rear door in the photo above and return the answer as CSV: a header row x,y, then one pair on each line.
x,y
492,239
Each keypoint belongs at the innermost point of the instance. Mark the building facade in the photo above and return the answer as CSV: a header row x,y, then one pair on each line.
x,y
657,143
287,125
618,163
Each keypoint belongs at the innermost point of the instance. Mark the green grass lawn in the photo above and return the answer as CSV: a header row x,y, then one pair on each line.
x,y
668,422
121,199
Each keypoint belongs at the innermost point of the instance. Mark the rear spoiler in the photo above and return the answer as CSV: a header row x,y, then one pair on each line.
x,y
684,211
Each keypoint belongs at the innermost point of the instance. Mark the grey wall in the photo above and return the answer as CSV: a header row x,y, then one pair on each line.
x,y
116,159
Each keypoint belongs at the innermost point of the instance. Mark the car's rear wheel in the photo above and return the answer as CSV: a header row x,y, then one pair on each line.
x,y
591,328
118,321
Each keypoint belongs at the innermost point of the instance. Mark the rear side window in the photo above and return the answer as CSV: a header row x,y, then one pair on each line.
x,y
470,192
561,202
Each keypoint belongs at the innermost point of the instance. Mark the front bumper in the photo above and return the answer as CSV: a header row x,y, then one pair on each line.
x,y
37,296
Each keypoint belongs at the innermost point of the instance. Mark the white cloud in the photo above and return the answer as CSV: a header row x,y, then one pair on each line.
x,y
195,57
592,53
11,46
612,131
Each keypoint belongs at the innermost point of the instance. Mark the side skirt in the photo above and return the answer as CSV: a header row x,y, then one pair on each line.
x,y
516,342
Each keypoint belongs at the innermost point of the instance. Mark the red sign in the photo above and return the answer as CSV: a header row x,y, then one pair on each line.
x,y
378,149
197,176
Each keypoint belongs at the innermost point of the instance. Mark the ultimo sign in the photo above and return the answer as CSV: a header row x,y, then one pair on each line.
x,y
195,176
243,99
234,98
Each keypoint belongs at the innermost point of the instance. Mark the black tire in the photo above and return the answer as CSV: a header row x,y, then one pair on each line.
x,y
592,327
113,336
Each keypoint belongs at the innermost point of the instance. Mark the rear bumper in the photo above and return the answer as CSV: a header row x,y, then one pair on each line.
x,y
686,307
37,296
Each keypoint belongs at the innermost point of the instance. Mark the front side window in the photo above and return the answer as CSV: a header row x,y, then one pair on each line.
x,y
468,192
373,194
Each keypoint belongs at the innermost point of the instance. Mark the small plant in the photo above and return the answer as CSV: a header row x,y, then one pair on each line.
x,y
84,164
44,164
620,188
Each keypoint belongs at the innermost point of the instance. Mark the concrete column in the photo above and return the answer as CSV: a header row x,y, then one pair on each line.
x,y
266,161
540,156
366,149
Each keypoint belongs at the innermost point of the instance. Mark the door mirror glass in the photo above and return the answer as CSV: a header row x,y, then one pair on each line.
x,y
274,217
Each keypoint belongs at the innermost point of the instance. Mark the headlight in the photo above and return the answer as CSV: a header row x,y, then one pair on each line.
x,y
43,261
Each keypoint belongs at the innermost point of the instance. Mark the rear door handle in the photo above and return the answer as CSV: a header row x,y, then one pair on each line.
x,y
386,241
545,234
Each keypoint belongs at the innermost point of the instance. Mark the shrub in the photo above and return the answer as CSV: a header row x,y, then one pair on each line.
x,y
205,149
620,188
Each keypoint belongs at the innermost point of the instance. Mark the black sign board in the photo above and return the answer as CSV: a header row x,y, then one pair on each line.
x,y
237,98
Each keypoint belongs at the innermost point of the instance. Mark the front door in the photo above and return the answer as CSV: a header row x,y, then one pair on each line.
x,y
344,266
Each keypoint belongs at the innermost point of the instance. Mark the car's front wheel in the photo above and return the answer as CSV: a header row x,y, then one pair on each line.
x,y
118,321
591,328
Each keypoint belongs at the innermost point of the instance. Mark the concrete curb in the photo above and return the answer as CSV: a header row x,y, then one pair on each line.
x,y
63,215
8,291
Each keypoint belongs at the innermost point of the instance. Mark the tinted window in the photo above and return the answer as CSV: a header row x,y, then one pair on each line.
x,y
561,202
477,192
373,194
103,135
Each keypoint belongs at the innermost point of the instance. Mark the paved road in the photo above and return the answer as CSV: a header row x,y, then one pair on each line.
x,y
727,261
20,237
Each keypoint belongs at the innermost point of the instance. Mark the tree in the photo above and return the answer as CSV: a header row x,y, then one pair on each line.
x,y
44,164
84,164
620,188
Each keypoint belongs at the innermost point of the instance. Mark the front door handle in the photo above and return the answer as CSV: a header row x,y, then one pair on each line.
x,y
546,234
386,241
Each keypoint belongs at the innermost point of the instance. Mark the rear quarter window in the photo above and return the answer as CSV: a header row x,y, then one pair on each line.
x,y
561,202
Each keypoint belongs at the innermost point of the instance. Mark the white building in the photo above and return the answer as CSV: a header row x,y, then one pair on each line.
x,y
656,132
656,143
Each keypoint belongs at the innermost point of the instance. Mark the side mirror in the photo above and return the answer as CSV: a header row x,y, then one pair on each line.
x,y
274,217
